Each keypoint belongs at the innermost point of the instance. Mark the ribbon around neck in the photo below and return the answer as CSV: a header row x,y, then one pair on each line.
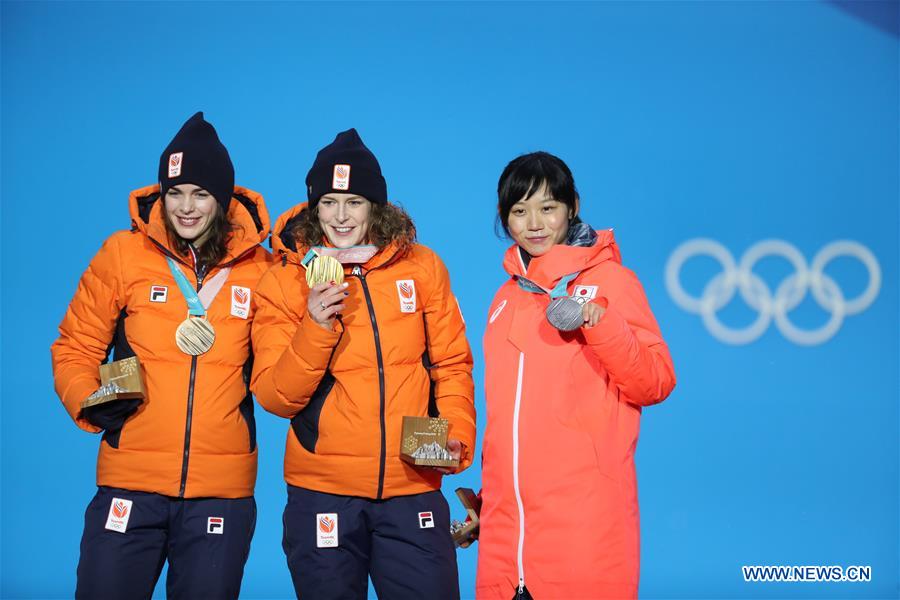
x,y
560,290
354,255
198,302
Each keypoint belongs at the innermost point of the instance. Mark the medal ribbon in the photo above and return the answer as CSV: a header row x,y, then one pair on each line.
x,y
212,286
198,303
560,290
357,255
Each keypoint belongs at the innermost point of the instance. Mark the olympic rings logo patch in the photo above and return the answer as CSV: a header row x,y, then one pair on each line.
x,y
738,277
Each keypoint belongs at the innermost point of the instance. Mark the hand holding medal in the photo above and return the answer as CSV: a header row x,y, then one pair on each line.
x,y
325,277
324,269
592,312
568,314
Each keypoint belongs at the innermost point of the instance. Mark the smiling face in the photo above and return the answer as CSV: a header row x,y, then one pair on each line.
x,y
190,210
344,218
538,222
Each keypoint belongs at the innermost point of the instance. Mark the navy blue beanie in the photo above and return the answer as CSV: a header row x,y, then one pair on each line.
x,y
346,166
195,155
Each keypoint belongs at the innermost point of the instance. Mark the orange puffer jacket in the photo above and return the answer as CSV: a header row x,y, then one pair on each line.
x,y
347,390
560,504
194,434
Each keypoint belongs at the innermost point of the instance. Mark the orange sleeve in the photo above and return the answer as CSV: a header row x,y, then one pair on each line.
x,y
291,352
628,342
451,360
87,330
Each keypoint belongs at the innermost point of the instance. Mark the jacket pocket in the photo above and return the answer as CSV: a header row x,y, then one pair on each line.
x,y
586,407
112,437
306,423
246,410
118,349
246,405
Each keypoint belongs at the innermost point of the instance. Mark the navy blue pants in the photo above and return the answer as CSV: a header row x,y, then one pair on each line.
x,y
124,546
334,543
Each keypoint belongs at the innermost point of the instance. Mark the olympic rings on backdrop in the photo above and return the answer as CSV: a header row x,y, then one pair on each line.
x,y
789,293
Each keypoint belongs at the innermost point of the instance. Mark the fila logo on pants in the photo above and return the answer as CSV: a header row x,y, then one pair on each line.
x,y
426,520
215,525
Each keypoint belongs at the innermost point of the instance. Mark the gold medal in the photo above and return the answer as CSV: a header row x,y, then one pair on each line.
x,y
195,336
323,269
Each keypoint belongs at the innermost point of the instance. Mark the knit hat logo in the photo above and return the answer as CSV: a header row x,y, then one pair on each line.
x,y
331,170
209,166
341,179
175,161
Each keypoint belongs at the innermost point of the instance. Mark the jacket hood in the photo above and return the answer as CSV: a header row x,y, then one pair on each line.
x,y
290,250
247,213
561,260
283,242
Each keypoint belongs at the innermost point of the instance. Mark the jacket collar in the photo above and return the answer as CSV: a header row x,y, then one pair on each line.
x,y
247,213
561,260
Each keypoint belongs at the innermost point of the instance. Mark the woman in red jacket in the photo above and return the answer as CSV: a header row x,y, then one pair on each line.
x,y
572,354
345,363
176,469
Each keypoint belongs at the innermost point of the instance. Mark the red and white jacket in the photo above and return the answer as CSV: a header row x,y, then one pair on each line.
x,y
560,503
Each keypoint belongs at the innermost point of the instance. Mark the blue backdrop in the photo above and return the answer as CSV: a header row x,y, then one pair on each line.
x,y
732,122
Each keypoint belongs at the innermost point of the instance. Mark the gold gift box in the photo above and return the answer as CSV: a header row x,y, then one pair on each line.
x,y
464,533
125,374
423,442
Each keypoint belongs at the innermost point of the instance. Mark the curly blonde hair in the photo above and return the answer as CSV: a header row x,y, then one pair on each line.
x,y
387,223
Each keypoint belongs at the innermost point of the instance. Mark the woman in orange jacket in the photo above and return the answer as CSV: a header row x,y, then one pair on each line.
x,y
176,469
345,362
572,354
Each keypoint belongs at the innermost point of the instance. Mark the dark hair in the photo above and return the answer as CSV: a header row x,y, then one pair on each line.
x,y
525,175
387,223
216,245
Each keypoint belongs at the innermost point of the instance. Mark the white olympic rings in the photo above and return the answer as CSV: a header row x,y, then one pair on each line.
x,y
739,277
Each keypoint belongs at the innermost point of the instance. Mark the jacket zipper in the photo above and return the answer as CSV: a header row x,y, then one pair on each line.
x,y
190,407
515,441
193,376
357,272
520,563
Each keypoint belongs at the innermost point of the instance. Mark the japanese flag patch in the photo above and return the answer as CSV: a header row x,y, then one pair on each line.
x,y
585,292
